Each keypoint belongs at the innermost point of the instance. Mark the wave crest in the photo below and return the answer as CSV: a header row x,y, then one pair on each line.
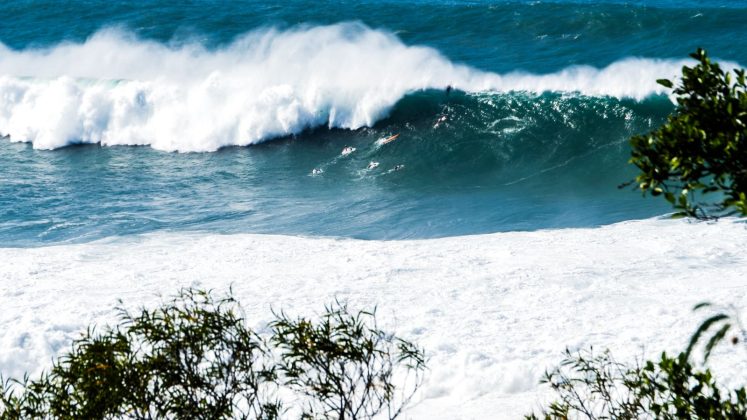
x,y
115,89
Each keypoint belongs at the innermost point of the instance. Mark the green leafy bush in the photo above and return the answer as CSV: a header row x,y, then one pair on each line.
x,y
194,358
593,386
345,364
702,148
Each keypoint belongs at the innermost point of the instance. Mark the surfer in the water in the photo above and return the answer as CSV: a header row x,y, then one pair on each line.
x,y
442,117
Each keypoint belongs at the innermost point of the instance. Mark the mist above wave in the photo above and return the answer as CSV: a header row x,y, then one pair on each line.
x,y
116,89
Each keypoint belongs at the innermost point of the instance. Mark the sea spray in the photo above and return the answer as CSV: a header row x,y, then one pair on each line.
x,y
116,89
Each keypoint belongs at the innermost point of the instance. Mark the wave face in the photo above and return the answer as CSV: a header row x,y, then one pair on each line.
x,y
462,164
115,89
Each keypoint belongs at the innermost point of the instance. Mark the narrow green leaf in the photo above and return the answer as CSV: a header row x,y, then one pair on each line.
x,y
701,329
702,305
665,82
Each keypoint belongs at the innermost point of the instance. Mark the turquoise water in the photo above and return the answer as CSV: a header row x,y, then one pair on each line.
x,y
240,112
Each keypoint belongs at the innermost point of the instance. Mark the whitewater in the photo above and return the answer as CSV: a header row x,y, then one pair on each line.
x,y
493,311
117,89
490,232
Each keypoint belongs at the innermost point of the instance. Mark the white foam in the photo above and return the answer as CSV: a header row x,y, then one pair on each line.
x,y
493,311
115,89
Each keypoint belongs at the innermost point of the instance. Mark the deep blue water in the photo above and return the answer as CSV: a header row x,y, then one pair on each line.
x,y
508,160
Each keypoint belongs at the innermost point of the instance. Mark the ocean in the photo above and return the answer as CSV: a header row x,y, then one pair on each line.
x,y
455,163
134,117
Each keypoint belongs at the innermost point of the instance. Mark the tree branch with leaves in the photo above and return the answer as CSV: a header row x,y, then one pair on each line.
x,y
697,160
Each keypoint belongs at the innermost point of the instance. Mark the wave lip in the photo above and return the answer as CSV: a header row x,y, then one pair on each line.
x,y
115,89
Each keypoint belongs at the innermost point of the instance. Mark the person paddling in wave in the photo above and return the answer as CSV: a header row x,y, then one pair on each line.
x,y
442,117
389,139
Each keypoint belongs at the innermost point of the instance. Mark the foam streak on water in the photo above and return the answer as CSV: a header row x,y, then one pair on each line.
x,y
115,89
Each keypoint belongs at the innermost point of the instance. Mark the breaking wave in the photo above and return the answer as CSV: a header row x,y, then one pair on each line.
x,y
116,89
